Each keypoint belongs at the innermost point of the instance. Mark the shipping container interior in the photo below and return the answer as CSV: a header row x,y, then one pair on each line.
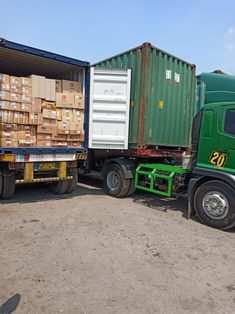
x,y
20,60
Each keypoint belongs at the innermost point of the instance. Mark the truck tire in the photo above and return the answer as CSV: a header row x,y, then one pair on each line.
x,y
59,187
72,184
8,184
1,183
131,189
214,203
114,182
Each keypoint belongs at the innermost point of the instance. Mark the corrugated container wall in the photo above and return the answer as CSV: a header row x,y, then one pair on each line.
x,y
162,96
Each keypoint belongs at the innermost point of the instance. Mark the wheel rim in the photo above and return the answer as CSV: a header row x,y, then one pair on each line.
x,y
215,205
113,180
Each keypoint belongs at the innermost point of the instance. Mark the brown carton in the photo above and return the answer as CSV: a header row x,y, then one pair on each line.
x,y
26,82
4,78
14,88
8,127
59,137
78,101
36,105
73,138
48,129
14,80
47,121
38,86
67,115
26,99
74,144
15,97
71,87
6,116
49,114
64,100
25,107
21,117
44,137
35,118
44,144
4,95
15,106
6,142
62,127
27,91
4,86
4,104
50,89
59,144
58,86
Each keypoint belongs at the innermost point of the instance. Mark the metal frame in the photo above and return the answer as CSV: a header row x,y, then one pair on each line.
x,y
152,171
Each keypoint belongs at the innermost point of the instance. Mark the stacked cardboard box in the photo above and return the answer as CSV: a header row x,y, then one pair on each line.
x,y
36,111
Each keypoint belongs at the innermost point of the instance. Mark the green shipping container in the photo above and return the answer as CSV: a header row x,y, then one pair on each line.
x,y
162,97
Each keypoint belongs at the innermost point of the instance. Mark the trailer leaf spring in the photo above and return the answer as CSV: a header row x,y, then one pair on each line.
x,y
154,172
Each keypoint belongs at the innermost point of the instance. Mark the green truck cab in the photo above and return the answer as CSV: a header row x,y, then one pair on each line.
x,y
211,189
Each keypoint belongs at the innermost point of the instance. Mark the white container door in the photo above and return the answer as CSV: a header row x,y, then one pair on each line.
x,y
109,108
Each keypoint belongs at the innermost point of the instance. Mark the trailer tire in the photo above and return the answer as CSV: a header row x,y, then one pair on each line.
x,y
72,184
214,204
59,187
8,184
114,182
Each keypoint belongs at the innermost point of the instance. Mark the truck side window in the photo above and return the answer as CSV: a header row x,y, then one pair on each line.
x,y
229,124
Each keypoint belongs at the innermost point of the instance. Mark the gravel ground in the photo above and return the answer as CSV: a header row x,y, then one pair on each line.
x,y
90,253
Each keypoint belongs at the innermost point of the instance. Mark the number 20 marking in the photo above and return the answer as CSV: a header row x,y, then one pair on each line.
x,y
218,159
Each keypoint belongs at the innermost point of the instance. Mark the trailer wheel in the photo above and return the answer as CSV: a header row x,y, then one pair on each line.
x,y
214,203
72,184
59,187
8,184
114,182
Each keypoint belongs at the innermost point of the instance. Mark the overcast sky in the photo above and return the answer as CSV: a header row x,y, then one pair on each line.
x,y
200,32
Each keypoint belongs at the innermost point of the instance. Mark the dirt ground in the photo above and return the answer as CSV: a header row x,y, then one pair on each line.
x,y
90,253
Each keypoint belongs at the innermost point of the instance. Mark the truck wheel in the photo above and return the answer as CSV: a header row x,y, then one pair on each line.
x,y
72,184
214,203
59,187
8,184
114,182
131,187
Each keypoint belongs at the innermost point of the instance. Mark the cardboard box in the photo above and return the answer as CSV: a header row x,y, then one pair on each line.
x,y
59,144
21,117
71,87
73,138
15,80
47,129
26,82
64,100
38,86
8,127
6,116
78,116
4,78
75,129
4,86
10,134
58,86
4,95
49,114
4,105
44,144
59,137
15,97
35,119
47,121
51,105
50,89
44,137
14,88
74,144
62,127
6,142
67,115
78,101
59,114
27,91
16,106
25,107
36,105
26,99
26,135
